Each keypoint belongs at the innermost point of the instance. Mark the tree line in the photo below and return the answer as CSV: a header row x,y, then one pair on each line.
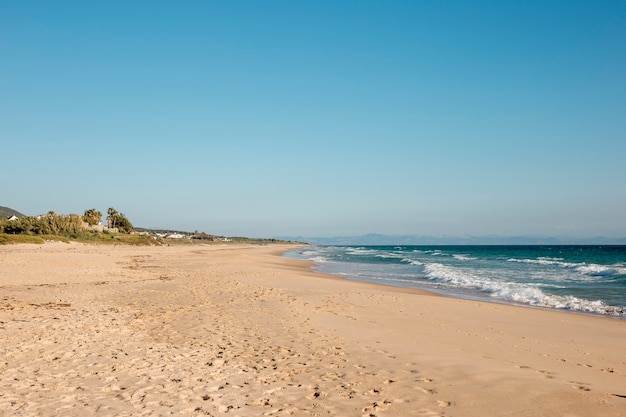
x,y
65,224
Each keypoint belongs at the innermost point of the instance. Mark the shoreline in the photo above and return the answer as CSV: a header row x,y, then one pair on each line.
x,y
242,330
469,293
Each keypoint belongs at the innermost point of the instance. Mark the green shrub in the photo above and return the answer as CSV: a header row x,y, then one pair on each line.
x,y
6,239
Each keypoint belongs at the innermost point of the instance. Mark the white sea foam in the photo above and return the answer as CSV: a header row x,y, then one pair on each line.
x,y
536,297
530,294
464,258
451,275
591,270
544,261
597,270
361,251
319,259
389,256
412,262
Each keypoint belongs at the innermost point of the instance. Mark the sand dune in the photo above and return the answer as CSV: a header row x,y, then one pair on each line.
x,y
238,331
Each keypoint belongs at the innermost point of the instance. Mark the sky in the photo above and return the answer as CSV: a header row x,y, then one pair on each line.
x,y
319,118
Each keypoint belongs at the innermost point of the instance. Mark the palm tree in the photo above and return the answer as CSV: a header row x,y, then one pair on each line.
x,y
112,217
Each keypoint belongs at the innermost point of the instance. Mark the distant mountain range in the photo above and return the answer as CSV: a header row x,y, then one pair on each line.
x,y
374,239
8,212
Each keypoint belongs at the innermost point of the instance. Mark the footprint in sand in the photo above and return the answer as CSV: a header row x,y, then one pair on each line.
x,y
580,386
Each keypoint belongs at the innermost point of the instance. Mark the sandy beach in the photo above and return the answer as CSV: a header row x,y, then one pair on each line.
x,y
241,331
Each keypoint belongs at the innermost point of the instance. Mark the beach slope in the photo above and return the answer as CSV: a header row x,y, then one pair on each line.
x,y
239,330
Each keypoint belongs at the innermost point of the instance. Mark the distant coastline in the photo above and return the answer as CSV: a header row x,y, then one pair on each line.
x,y
374,239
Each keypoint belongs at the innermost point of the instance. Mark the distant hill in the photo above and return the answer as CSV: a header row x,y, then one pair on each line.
x,y
385,240
8,212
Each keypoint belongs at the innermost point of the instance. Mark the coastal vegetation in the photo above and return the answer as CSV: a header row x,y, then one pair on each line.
x,y
117,221
18,228
64,224
47,224
92,217
6,239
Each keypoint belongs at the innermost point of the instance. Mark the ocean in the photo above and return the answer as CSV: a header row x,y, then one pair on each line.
x,y
586,279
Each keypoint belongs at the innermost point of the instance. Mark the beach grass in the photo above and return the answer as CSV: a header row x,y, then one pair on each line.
x,y
103,238
123,238
8,239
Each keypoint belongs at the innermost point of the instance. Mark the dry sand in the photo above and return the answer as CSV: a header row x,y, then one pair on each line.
x,y
233,330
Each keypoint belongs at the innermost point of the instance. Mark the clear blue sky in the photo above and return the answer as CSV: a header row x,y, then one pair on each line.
x,y
319,118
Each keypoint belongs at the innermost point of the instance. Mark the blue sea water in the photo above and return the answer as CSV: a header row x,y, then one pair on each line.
x,y
590,279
